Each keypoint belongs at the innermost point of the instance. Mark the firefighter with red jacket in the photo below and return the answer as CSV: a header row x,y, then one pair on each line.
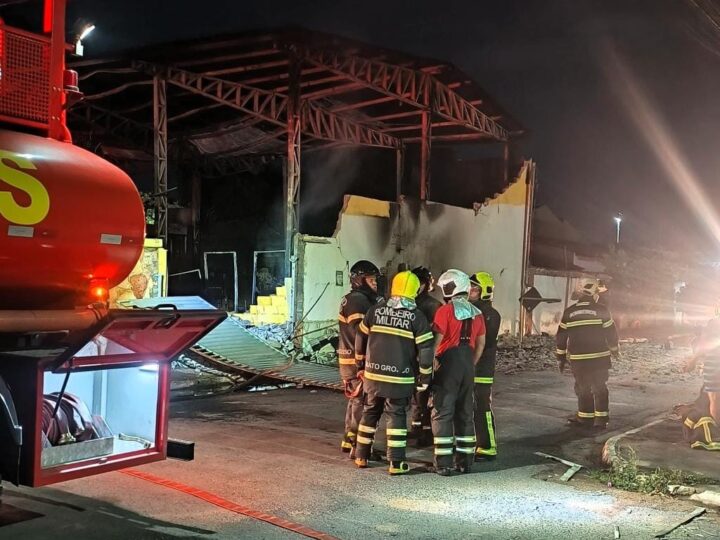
x,y
419,409
362,296
394,352
481,295
460,339
587,339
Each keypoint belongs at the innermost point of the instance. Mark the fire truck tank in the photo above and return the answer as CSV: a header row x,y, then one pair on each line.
x,y
67,218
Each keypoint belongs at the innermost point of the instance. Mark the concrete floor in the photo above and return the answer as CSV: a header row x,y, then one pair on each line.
x,y
278,452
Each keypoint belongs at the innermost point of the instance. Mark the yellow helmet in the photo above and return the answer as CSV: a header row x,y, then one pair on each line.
x,y
486,283
405,284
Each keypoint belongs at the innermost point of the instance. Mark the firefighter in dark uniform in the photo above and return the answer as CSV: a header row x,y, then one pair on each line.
x,y
459,342
482,288
420,410
587,339
394,351
354,306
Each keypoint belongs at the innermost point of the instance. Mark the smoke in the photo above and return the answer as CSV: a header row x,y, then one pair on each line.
x,y
658,137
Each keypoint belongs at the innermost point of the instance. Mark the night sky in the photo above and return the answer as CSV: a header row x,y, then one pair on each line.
x,y
546,62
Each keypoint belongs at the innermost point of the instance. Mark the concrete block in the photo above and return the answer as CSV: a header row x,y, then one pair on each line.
x,y
281,291
254,310
264,301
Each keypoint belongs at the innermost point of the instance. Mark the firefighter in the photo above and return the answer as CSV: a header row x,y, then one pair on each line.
x,y
482,287
587,339
420,410
459,342
708,353
354,306
394,355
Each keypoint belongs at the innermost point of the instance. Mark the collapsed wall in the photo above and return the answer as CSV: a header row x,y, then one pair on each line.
x,y
488,237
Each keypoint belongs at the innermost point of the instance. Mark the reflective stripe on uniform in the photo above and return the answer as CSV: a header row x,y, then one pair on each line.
x,y
354,317
588,322
424,338
486,451
608,324
443,451
469,438
483,380
491,431
602,413
706,446
464,450
588,356
426,371
397,444
561,351
689,423
389,378
443,440
347,361
366,429
586,415
363,328
364,440
396,431
392,331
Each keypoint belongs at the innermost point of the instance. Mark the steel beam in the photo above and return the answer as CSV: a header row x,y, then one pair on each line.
x,y
425,142
111,123
160,153
409,86
399,172
315,120
292,164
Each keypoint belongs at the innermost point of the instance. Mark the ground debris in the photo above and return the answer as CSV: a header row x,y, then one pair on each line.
x,y
681,490
573,467
699,511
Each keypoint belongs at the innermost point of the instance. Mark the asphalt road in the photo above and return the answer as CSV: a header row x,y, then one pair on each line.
x,y
278,452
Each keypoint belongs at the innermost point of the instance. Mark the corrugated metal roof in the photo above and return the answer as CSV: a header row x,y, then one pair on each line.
x,y
232,346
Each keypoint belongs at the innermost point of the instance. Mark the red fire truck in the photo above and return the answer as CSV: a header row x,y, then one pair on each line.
x,y
83,388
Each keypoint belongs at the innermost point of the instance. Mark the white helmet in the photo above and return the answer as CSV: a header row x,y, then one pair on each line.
x,y
454,282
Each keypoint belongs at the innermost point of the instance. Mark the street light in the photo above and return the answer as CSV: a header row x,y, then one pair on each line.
x,y
618,221
84,32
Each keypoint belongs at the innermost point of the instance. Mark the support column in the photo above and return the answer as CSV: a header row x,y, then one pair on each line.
x,y
426,137
399,171
292,166
196,198
160,157
506,163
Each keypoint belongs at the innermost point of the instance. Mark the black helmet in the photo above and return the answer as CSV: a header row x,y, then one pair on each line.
x,y
360,270
425,276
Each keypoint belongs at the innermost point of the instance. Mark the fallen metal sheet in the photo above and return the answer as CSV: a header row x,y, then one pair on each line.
x,y
572,471
231,345
699,511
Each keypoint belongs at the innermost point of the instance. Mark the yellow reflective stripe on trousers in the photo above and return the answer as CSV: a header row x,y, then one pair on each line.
x,y
586,415
443,451
561,351
396,431
396,444
689,423
426,371
483,380
602,413
706,446
347,361
464,450
443,440
588,356
491,431
469,438
424,338
389,378
608,324
392,332
364,440
366,429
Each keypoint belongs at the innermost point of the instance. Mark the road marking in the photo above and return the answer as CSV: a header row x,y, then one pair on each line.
x,y
229,505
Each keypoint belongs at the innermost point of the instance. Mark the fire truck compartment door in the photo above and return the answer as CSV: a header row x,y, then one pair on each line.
x,y
141,336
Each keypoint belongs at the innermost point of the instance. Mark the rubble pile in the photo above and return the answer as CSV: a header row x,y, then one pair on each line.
x,y
277,336
641,358
537,353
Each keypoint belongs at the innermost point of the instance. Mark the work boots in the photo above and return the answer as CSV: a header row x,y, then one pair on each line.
x,y
398,468
600,422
